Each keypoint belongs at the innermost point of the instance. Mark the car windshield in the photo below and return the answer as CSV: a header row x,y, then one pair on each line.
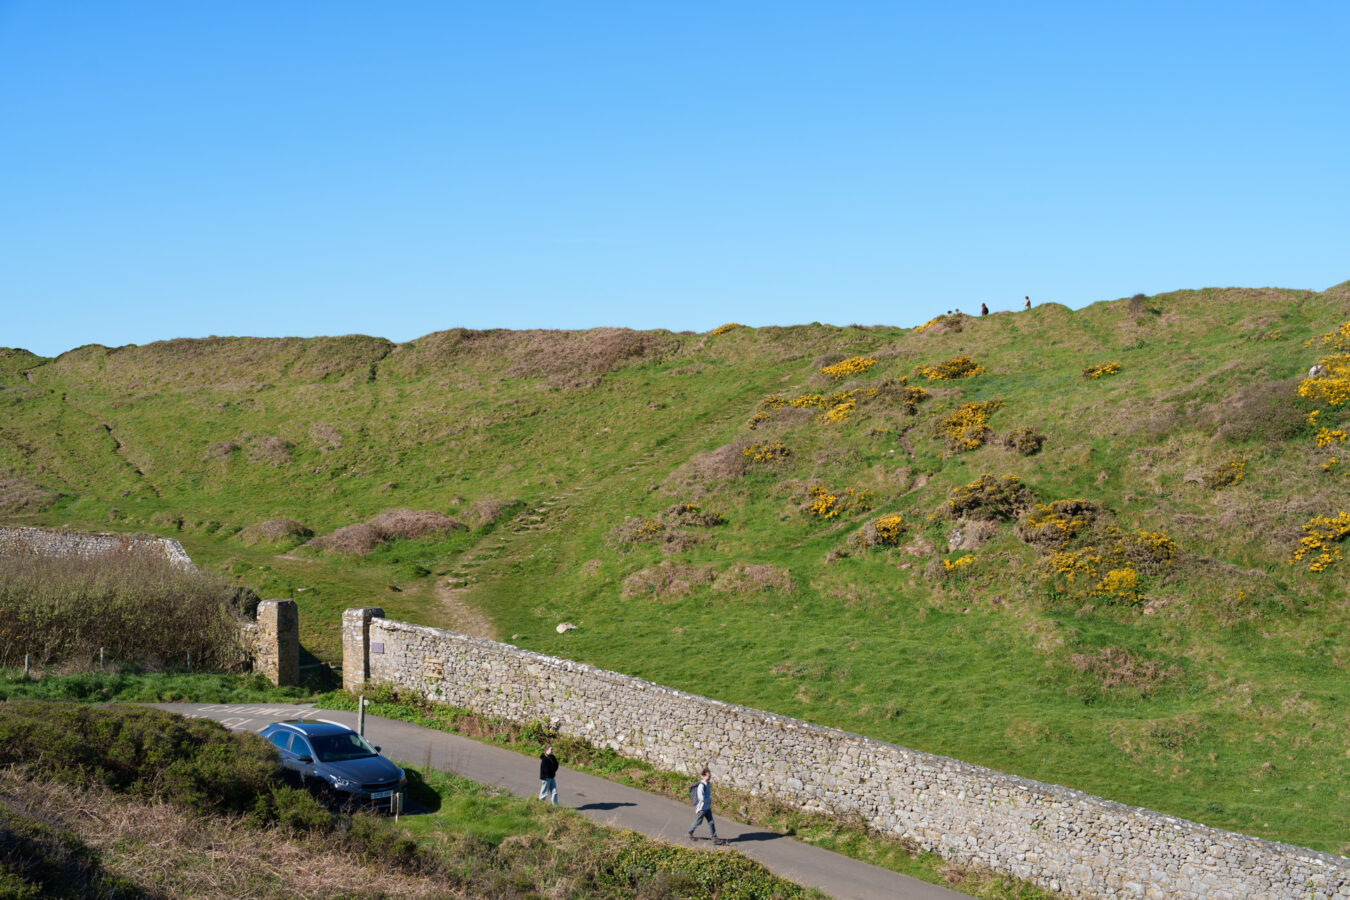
x,y
337,747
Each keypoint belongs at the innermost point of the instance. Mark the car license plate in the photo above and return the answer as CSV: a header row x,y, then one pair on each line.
x,y
381,795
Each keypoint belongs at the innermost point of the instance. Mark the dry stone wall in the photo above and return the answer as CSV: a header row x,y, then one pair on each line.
x,y
1061,839
55,542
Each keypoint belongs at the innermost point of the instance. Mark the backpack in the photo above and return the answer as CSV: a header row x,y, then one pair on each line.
x,y
693,793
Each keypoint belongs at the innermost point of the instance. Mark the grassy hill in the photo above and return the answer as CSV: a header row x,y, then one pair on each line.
x,y
1084,580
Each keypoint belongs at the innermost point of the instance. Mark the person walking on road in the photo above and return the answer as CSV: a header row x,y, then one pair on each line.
x,y
701,795
548,774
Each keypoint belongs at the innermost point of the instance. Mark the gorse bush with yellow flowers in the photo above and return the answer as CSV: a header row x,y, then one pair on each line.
x,y
950,370
1320,545
772,451
967,426
723,329
1052,526
987,497
854,365
1227,474
952,566
1026,441
826,503
1326,437
1101,370
1110,563
1329,381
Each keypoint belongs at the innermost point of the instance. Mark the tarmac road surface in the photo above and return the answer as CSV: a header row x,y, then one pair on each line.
x,y
604,801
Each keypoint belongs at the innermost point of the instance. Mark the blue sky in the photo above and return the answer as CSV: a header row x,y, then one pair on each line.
x,y
172,169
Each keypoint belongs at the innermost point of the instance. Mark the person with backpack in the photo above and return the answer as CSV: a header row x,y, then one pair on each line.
x,y
701,796
548,774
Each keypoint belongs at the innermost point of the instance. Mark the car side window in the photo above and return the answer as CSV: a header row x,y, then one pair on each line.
x,y
282,739
301,748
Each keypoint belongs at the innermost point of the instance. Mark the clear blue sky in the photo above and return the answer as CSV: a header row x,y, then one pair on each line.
x,y
181,168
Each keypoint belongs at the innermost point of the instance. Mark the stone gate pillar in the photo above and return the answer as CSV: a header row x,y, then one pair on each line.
x,y
356,645
277,651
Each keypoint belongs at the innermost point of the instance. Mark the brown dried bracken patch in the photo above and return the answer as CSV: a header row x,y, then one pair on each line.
x,y
1117,669
220,450
666,581
326,436
489,509
270,450
750,578
723,464
390,525
22,495
274,531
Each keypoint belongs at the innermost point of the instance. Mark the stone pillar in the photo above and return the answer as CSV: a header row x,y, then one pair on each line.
x,y
277,651
356,646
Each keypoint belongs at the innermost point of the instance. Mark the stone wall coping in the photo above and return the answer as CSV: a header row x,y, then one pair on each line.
x,y
1059,793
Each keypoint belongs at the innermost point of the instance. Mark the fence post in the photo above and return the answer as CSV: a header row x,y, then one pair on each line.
x,y
361,716
100,659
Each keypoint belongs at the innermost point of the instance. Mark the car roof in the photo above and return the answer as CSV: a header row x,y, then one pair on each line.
x,y
311,728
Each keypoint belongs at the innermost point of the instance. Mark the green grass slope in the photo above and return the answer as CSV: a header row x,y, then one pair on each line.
x,y
1150,642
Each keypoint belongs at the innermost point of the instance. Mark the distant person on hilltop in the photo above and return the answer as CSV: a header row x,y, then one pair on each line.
x,y
1028,306
984,309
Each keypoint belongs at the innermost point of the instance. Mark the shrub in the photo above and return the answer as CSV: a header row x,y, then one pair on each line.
x,y
390,525
1101,370
1319,545
692,515
723,329
988,497
951,369
1117,669
944,324
1227,474
1024,440
967,426
666,581
952,566
854,365
136,603
220,450
1053,525
827,504
274,531
1329,380
489,509
326,436
139,750
884,531
750,578
270,450
21,495
773,451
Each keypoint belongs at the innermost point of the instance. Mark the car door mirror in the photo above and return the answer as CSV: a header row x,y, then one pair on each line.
x,y
377,748
306,760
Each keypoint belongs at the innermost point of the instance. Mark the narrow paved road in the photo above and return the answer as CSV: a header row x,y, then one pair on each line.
x,y
601,800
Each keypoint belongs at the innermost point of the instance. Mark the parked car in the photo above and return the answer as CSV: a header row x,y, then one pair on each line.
x,y
337,763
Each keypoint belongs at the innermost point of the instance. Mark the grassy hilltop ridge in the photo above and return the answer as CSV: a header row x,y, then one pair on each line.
x,y
716,513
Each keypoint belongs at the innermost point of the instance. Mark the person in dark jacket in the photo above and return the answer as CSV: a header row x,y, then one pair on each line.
x,y
703,805
984,309
548,775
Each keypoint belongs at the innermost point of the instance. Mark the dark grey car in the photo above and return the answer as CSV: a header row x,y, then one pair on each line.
x,y
337,762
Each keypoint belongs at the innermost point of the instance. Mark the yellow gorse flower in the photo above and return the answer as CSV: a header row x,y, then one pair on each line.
x,y
855,365
951,369
1101,370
